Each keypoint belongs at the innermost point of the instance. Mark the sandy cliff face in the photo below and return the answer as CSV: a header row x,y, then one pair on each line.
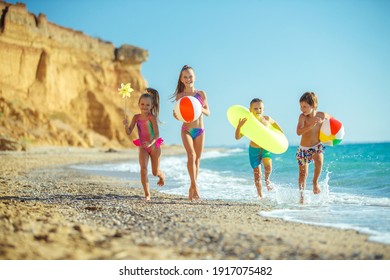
x,y
59,86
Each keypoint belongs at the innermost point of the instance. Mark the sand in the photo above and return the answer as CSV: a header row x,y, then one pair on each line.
x,y
49,211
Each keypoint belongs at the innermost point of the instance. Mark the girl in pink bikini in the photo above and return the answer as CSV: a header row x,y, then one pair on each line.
x,y
193,133
149,141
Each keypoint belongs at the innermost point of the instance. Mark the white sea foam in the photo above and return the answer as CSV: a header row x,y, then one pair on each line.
x,y
113,167
220,153
348,199
380,238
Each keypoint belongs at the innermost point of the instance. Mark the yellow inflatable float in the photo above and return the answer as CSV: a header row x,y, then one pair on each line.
x,y
268,138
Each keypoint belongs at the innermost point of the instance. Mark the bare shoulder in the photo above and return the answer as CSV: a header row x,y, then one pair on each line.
x,y
152,118
327,116
134,119
202,93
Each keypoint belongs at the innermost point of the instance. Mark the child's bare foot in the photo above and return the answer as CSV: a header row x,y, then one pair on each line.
x,y
301,197
259,192
316,189
193,193
268,185
196,196
147,198
161,182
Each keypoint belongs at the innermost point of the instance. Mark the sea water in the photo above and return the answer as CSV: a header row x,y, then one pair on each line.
x,y
355,185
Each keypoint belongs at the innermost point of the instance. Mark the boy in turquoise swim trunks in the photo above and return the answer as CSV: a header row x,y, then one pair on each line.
x,y
257,154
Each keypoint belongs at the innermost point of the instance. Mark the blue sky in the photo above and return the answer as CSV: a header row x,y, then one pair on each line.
x,y
271,49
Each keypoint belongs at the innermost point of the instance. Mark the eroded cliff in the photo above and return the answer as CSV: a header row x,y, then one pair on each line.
x,y
59,86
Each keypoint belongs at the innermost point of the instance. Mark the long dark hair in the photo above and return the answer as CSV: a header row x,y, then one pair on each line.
x,y
180,86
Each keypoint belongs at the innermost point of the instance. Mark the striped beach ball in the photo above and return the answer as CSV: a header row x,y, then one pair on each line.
x,y
331,132
188,109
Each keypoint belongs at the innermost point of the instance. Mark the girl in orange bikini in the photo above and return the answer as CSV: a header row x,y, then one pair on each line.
x,y
149,141
193,133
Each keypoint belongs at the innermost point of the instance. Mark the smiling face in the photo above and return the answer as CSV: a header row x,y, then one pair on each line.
x,y
187,77
145,105
257,109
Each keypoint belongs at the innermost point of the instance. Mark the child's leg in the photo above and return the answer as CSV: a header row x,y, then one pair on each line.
x,y
318,159
156,171
191,165
143,163
267,162
198,147
257,177
303,171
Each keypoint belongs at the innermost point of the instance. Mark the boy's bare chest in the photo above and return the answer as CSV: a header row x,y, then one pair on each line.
x,y
310,122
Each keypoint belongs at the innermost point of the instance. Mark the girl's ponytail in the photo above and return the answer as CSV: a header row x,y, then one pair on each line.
x,y
156,101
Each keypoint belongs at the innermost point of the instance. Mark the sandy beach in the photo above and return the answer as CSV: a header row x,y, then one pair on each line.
x,y
49,211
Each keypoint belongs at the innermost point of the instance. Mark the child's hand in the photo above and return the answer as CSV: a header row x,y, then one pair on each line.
x,y
264,121
125,121
146,144
241,122
174,115
318,120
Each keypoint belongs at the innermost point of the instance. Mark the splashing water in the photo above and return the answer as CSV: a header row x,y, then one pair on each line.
x,y
355,185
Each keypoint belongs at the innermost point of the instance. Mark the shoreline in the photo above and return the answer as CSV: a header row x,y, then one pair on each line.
x,y
50,211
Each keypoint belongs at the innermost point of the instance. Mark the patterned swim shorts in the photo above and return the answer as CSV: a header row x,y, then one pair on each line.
x,y
304,155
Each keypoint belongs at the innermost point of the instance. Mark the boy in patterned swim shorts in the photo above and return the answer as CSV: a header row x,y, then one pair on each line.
x,y
310,148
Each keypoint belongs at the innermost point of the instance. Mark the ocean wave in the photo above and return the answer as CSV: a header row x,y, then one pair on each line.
x,y
109,167
335,218
220,153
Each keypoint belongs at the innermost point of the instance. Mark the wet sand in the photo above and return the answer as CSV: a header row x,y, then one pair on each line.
x,y
50,211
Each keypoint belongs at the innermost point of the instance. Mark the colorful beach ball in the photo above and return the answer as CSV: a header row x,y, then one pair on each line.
x,y
331,132
188,109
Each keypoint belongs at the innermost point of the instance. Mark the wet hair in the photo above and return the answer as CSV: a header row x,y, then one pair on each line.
x,y
255,100
310,98
180,86
155,100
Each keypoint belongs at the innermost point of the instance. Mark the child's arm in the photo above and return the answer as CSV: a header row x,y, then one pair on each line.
x,y
241,122
129,128
205,108
304,127
275,124
174,113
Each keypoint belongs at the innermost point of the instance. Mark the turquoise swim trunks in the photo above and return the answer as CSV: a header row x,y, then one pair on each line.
x,y
256,155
